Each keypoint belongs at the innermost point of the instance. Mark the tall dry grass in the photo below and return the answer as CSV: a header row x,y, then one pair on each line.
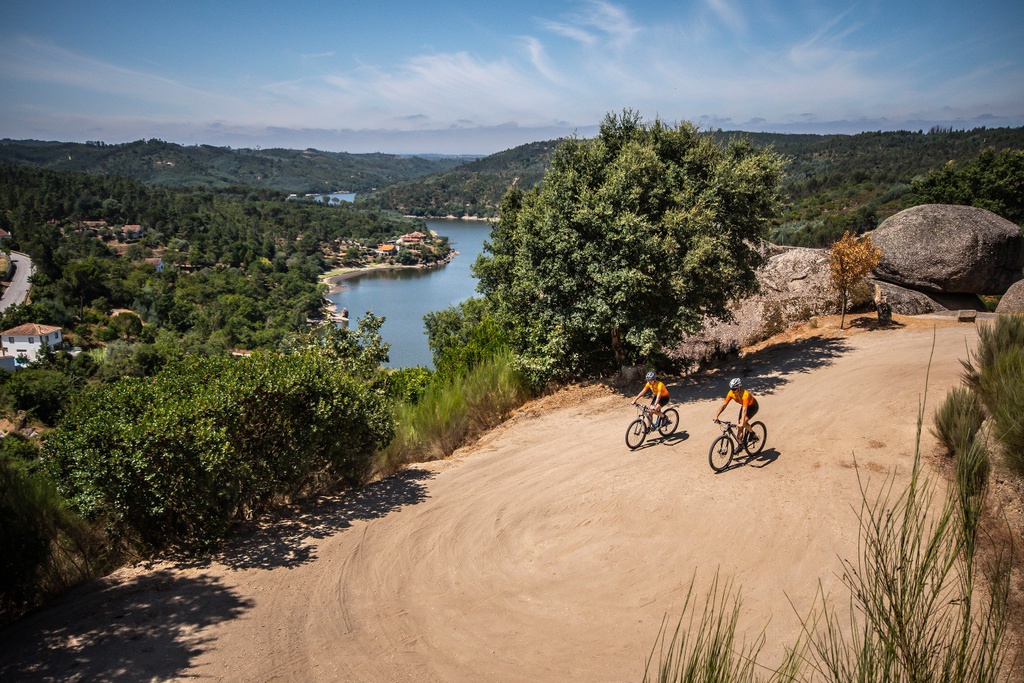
x,y
451,412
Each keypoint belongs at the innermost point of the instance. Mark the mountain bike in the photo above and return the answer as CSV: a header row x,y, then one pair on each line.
x,y
644,424
729,443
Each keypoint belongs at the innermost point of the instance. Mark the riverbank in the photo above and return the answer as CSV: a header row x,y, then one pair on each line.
x,y
334,278
450,217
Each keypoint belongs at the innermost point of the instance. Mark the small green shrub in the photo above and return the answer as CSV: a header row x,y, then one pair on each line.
x,y
408,384
993,340
958,419
1002,383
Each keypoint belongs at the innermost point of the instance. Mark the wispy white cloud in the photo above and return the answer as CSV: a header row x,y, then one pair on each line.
x,y
539,59
598,23
580,35
729,15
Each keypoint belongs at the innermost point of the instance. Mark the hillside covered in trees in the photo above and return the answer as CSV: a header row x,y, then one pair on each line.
x,y
164,164
202,270
832,183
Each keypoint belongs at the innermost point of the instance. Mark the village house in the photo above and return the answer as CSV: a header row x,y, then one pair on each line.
x,y
386,250
415,237
4,235
26,340
132,232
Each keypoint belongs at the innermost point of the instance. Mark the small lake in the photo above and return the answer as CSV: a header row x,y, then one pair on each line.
x,y
404,296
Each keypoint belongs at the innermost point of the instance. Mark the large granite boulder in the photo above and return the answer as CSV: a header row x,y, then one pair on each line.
x,y
794,288
948,248
905,301
1013,300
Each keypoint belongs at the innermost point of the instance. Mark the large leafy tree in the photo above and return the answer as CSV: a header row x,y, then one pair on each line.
x,y
632,238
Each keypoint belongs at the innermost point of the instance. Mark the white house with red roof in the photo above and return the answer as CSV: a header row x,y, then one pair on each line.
x,y
415,237
26,340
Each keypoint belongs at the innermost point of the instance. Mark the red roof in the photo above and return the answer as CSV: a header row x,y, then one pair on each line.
x,y
29,330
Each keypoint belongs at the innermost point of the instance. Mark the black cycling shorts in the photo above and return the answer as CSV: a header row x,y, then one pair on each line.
x,y
662,401
751,412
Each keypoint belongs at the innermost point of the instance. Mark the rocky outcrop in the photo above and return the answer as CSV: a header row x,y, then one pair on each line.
x,y
794,287
906,301
1013,300
944,248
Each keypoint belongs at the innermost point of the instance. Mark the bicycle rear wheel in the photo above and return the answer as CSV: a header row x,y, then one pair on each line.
x,y
670,421
636,433
720,454
754,443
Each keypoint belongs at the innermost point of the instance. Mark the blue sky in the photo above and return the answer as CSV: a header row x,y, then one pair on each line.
x,y
479,77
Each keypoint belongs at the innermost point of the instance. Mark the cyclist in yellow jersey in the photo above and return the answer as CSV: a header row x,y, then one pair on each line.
x,y
659,395
748,404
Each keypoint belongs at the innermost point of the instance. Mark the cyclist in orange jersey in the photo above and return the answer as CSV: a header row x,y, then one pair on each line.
x,y
748,405
659,396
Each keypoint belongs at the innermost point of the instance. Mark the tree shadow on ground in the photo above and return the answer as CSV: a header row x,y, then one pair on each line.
x,y
284,538
146,628
871,323
763,371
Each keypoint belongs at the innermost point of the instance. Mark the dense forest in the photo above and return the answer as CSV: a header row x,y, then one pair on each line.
x,y
208,270
164,164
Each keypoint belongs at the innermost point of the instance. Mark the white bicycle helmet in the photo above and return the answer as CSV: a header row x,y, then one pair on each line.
x,y
651,375
735,383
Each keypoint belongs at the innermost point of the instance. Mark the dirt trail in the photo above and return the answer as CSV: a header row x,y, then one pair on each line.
x,y
547,552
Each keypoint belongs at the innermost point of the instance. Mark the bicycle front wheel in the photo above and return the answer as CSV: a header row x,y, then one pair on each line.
x,y
720,454
754,443
636,434
670,421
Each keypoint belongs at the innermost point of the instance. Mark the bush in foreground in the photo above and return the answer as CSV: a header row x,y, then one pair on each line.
x,y
995,372
958,419
173,460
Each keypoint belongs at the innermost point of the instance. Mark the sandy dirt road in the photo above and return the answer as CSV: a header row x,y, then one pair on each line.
x,y
546,552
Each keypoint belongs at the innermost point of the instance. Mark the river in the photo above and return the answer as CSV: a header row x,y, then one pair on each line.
x,y
404,296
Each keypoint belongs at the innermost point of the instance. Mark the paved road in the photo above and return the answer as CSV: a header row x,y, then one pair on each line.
x,y
18,291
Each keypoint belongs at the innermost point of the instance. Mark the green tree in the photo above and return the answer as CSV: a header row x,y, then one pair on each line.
x,y
633,237
993,181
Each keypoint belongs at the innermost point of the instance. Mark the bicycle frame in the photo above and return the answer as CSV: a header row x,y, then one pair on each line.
x,y
647,414
727,429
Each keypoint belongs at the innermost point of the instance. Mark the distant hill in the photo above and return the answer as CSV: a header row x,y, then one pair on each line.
x,y
166,164
474,189
832,183
859,179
